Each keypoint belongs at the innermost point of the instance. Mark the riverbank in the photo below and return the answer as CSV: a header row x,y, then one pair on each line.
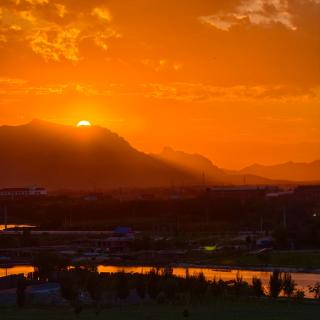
x,y
286,261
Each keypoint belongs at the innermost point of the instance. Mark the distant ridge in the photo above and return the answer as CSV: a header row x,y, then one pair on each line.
x,y
293,171
206,172
57,156
66,157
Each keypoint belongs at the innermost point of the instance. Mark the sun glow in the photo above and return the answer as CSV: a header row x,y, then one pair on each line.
x,y
83,123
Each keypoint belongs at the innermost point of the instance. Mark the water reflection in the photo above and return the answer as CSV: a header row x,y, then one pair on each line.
x,y
16,270
10,226
303,280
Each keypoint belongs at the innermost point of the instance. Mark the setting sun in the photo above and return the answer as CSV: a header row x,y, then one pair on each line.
x,y
83,123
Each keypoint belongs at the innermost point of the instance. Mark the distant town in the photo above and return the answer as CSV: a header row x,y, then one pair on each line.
x,y
244,228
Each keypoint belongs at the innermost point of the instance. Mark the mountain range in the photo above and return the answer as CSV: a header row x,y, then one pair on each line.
x,y
292,171
65,157
57,156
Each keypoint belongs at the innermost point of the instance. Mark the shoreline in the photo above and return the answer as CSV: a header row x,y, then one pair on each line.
x,y
226,268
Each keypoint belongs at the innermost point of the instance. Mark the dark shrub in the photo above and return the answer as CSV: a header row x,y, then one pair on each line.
x,y
275,284
122,286
140,286
153,285
315,290
69,288
257,287
21,295
240,287
289,286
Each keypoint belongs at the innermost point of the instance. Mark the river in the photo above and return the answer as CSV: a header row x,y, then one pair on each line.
x,y
303,280
10,226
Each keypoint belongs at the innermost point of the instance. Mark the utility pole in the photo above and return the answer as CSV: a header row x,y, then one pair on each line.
x,y
284,217
5,217
204,183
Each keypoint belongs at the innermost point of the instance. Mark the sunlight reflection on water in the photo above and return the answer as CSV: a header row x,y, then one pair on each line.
x,y
303,280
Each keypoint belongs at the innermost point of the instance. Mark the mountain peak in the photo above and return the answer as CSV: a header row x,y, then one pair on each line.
x,y
66,157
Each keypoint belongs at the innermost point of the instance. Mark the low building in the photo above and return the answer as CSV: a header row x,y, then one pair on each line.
x,y
23,192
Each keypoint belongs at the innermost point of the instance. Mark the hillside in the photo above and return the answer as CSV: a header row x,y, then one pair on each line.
x,y
206,172
56,156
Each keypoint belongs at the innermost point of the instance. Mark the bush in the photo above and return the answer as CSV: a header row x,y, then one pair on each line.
x,y
240,287
47,263
315,290
299,295
153,285
122,286
199,286
21,295
94,287
140,286
289,286
257,287
275,284
69,288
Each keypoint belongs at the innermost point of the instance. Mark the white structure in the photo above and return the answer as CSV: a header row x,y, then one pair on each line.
x,y
23,192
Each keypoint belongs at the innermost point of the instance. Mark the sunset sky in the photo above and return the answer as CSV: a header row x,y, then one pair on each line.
x,y
235,80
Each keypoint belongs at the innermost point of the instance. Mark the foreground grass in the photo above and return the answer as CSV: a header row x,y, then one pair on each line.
x,y
221,310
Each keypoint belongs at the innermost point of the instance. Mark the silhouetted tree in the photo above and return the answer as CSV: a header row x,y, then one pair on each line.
x,y
289,285
153,285
21,295
140,286
275,284
122,286
299,295
198,286
95,290
315,289
240,287
69,288
257,287
47,263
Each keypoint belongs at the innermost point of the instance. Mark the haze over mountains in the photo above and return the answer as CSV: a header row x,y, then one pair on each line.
x,y
207,173
293,171
65,157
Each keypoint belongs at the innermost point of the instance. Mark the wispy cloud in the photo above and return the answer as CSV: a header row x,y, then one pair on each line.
x,y
20,87
52,30
102,13
162,64
176,91
255,12
198,92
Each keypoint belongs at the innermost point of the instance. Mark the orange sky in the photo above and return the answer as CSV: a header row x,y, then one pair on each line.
x,y
235,80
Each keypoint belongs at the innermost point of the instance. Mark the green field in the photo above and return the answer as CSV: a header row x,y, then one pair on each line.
x,y
216,310
296,259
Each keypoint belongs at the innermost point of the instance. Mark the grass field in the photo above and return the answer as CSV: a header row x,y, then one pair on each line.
x,y
215,310
295,259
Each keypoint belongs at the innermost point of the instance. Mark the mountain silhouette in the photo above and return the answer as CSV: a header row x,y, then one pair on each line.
x,y
65,157
201,167
57,156
205,172
293,171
